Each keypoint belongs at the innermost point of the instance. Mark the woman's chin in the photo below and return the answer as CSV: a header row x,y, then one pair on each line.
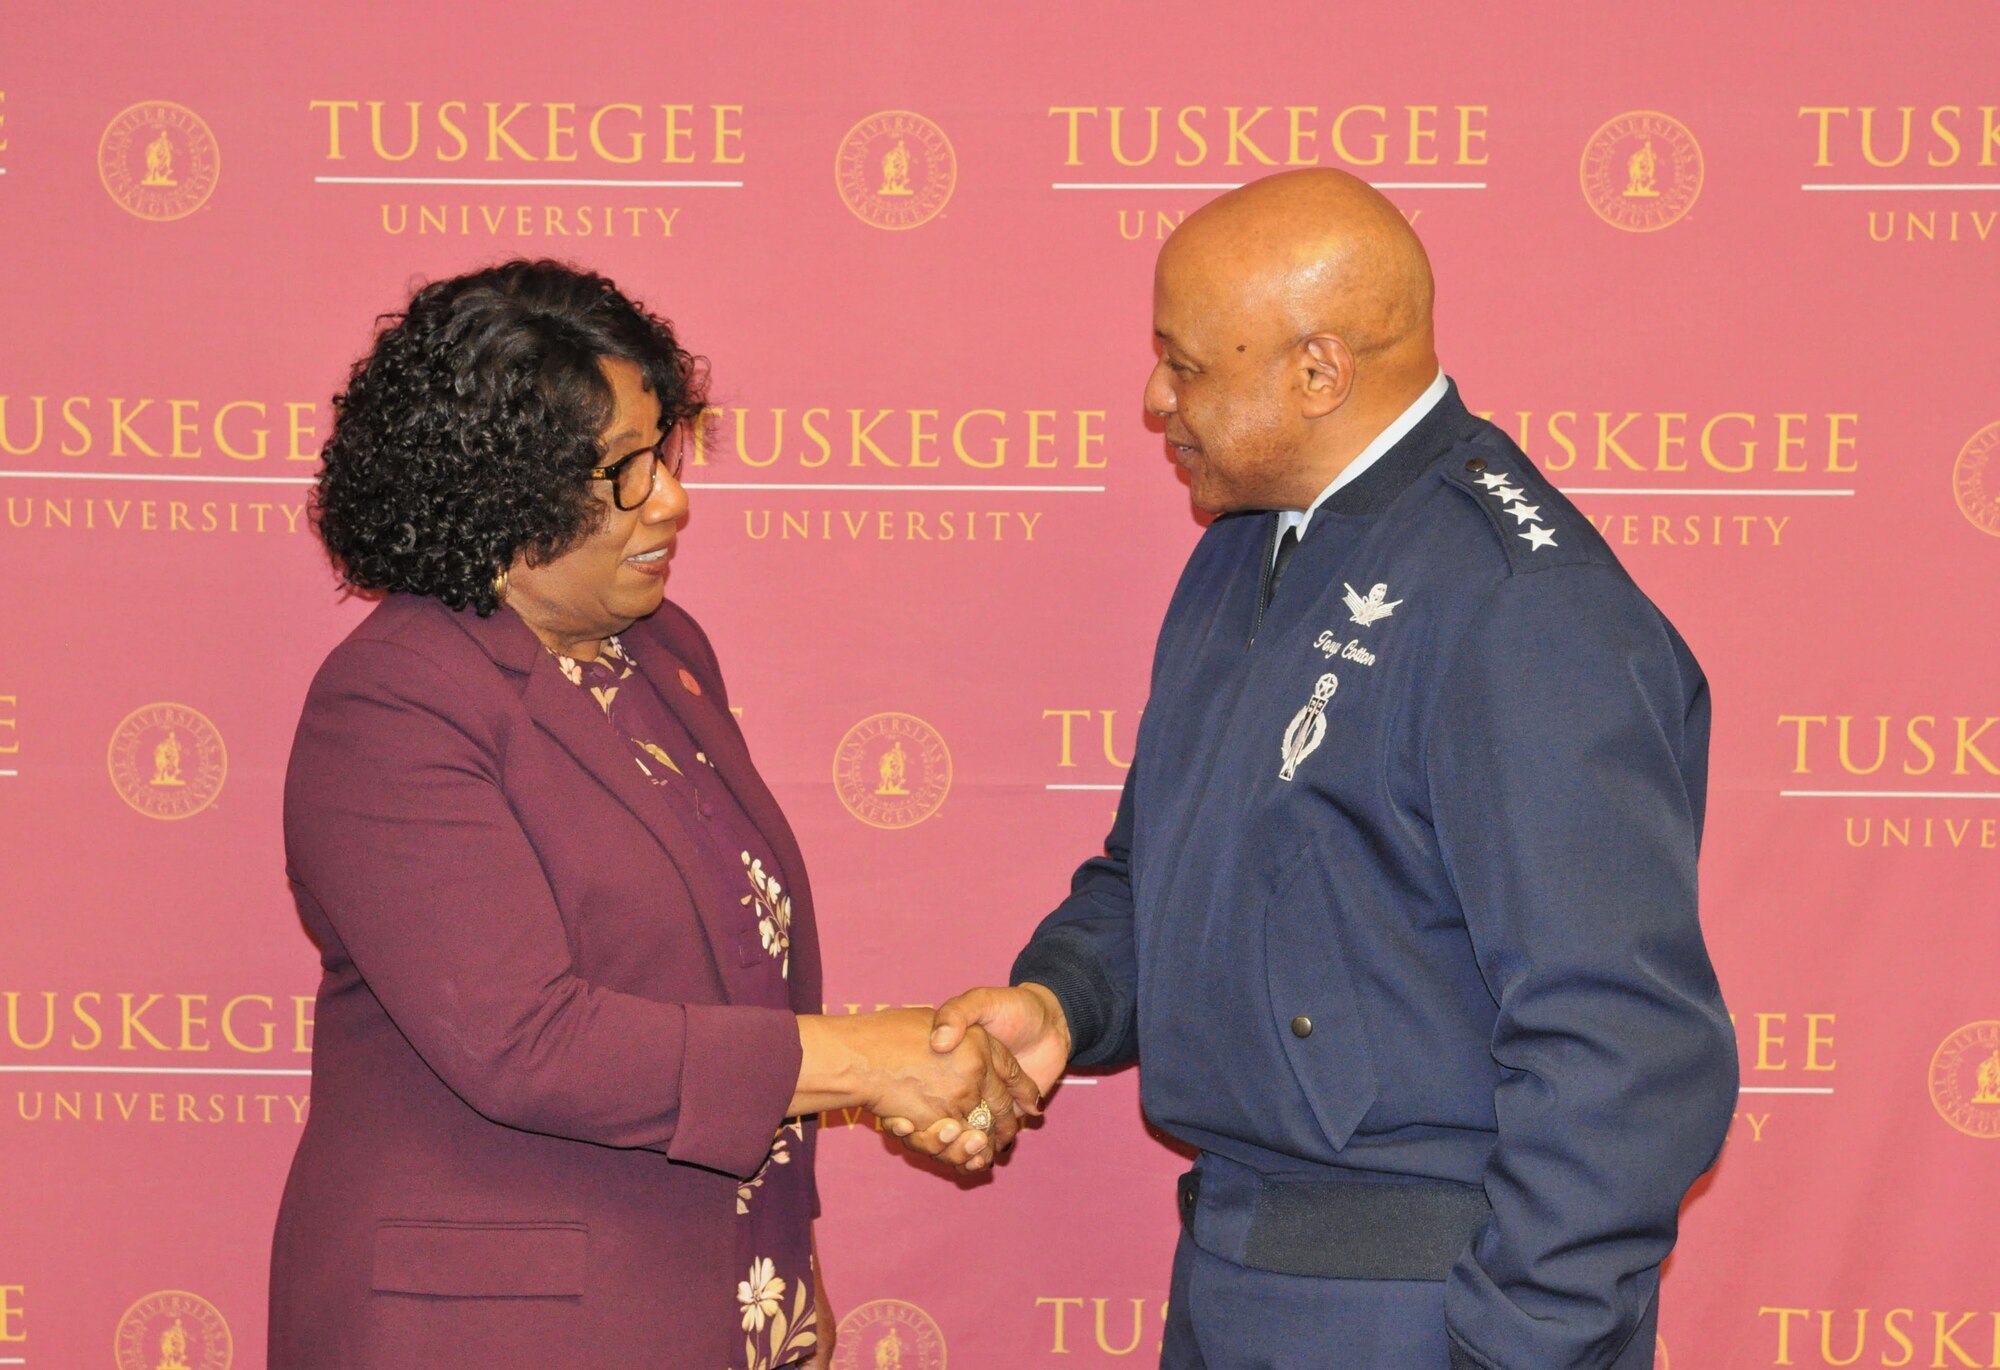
x,y
637,601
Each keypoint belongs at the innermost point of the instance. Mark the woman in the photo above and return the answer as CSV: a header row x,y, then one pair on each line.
x,y
567,1039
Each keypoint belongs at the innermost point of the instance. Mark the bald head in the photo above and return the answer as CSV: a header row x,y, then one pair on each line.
x,y
1315,251
1303,300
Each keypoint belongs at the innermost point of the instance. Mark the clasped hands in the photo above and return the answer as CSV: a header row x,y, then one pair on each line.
x,y
928,1075
1025,1038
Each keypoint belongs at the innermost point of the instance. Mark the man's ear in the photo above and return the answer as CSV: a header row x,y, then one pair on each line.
x,y
1329,375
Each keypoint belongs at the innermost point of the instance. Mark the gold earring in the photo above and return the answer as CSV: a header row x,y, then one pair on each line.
x,y
500,584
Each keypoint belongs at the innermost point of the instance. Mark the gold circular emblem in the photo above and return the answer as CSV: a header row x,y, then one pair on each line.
x,y
159,160
889,1332
173,1330
1975,479
1965,1079
892,770
167,761
1642,171
895,169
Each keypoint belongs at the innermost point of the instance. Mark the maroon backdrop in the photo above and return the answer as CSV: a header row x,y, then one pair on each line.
x,y
1728,272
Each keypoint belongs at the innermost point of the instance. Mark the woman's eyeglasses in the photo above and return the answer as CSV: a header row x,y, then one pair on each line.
x,y
634,478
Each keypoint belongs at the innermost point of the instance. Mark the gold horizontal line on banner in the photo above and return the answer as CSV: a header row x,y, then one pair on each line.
x,y
1904,185
1889,794
146,1070
236,1071
1237,185
1669,490
693,485
523,181
698,485
160,476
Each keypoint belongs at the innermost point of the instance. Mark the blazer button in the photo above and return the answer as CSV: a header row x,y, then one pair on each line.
x,y
1476,465
1302,1026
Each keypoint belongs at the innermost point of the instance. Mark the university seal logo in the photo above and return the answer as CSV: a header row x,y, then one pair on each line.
x,y
889,1334
1642,171
1965,1079
895,169
173,1330
167,761
892,770
158,160
1975,479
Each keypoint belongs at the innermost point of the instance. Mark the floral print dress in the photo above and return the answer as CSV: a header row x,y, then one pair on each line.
x,y
774,1296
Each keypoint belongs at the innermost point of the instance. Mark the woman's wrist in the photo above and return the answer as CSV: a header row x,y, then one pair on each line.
x,y
837,1068
829,1067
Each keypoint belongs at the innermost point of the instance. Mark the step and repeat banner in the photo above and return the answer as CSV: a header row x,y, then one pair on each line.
x,y
1728,274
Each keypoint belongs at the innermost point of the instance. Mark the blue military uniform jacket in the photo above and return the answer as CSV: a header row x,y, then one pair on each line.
x,y
1403,882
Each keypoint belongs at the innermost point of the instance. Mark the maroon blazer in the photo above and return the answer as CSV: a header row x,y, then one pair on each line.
x,y
531,1097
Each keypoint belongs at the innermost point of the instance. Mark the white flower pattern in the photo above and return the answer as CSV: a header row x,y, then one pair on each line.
x,y
773,908
762,1295
780,1155
774,1336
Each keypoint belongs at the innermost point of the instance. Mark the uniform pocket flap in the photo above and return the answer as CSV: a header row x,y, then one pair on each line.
x,y
480,1260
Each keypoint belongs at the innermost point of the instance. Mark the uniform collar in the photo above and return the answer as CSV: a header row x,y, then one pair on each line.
x,y
1377,448
1446,423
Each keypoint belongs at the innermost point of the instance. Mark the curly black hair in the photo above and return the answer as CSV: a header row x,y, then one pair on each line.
x,y
466,435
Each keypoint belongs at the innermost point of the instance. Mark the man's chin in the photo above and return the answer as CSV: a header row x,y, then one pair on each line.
x,y
1210,501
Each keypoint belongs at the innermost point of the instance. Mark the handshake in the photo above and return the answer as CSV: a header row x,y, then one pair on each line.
x,y
955,1084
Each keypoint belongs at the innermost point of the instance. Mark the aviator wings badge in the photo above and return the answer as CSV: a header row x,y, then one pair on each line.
x,y
1308,727
1366,611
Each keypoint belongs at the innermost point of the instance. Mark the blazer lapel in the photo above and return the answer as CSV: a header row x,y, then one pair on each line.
x,y
715,731
573,719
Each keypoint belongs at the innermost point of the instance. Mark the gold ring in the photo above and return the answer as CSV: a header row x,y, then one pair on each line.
x,y
980,1119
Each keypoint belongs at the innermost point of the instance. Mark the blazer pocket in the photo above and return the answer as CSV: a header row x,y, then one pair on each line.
x,y
470,1260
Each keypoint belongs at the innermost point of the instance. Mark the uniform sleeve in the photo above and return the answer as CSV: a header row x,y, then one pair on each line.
x,y
397,828
1566,767
1084,951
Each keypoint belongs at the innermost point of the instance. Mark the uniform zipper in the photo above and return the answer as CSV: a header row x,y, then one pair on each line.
x,y
1264,582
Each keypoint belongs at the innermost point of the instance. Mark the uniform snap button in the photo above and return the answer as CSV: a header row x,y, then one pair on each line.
x,y
1302,1026
1476,465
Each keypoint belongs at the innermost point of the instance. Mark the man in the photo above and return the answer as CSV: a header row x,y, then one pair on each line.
x,y
1398,911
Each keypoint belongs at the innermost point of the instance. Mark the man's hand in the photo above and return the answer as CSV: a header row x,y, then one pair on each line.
x,y
1028,1021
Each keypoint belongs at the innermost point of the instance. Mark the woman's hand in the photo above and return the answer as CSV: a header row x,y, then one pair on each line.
x,y
885,1062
